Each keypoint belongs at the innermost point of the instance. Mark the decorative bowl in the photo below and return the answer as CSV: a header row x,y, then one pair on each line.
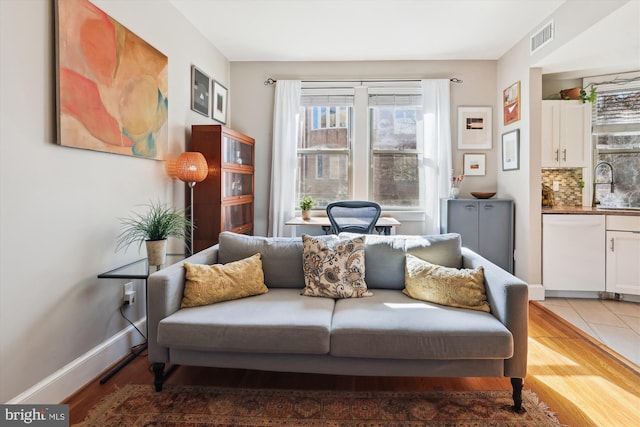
x,y
482,194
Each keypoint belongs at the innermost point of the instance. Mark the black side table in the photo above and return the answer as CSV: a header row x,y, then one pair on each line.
x,y
139,269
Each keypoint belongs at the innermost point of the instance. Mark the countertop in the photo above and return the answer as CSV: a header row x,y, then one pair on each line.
x,y
582,210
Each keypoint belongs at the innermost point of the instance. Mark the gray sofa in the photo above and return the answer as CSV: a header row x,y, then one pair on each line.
x,y
387,334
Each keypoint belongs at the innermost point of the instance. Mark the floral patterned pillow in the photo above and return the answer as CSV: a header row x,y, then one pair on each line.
x,y
334,268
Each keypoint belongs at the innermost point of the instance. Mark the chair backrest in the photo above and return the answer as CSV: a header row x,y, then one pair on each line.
x,y
353,216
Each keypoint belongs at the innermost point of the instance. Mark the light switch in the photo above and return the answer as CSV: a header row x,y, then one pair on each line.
x,y
556,185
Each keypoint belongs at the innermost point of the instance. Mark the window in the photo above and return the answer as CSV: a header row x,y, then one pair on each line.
x,y
323,149
396,149
361,143
616,119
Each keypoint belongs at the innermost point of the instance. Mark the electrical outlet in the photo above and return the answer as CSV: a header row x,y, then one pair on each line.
x,y
556,185
128,293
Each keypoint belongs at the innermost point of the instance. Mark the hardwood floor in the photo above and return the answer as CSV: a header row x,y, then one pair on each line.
x,y
580,379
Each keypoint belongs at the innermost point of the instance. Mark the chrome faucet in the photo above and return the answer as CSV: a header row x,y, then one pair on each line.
x,y
596,182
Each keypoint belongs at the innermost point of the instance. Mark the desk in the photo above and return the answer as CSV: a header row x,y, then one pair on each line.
x,y
139,269
383,225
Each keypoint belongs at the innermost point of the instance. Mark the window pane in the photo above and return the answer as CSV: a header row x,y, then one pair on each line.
x,y
395,128
617,107
324,186
324,127
396,180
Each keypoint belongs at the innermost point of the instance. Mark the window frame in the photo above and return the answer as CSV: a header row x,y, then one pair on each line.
x,y
360,151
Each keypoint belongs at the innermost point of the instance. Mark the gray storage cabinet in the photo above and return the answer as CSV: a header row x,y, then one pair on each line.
x,y
486,227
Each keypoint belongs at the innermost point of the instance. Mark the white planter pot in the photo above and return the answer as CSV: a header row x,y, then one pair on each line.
x,y
156,251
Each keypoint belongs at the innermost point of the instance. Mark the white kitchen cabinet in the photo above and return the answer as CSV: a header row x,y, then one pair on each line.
x,y
573,252
623,254
566,134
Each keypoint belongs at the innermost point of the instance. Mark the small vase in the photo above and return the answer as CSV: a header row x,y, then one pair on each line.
x,y
306,215
454,192
156,251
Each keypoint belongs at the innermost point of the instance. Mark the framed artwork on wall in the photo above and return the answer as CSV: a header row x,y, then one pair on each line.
x,y
199,91
474,128
511,103
511,150
475,164
219,102
111,85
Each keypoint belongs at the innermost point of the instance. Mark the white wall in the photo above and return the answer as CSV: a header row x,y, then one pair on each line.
x,y
252,108
59,206
524,185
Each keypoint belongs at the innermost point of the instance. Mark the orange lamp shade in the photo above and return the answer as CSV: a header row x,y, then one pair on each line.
x,y
191,166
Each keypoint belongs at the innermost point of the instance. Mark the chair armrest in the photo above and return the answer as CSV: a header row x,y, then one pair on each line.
x,y
508,298
166,289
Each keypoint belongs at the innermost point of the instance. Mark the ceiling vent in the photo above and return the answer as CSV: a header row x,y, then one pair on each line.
x,y
542,38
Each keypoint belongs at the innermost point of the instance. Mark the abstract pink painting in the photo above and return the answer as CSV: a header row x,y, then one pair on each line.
x,y
111,85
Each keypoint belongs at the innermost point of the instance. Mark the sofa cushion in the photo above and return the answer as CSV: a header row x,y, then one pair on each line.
x,y
334,267
454,287
281,256
384,256
281,321
391,325
209,284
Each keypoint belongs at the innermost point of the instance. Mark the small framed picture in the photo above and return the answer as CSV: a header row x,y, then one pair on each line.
x,y
475,164
511,150
474,128
199,91
511,103
219,102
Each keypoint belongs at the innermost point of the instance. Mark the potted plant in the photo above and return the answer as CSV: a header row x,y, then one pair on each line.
x,y
579,93
154,227
306,204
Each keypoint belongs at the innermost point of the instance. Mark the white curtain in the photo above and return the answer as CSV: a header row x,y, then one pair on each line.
x,y
437,150
283,158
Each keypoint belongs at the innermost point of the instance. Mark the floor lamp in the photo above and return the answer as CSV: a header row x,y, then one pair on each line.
x,y
191,167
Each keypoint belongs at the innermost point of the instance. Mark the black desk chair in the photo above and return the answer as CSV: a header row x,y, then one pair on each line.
x,y
353,216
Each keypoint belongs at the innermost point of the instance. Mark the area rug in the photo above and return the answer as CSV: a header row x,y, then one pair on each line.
x,y
198,406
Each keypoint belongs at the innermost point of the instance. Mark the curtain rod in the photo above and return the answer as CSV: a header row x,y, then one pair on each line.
x,y
270,81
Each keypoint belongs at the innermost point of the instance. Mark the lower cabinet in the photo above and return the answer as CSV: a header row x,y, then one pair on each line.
x,y
623,255
485,225
573,252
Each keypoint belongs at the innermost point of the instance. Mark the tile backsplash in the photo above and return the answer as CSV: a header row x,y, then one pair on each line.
x,y
570,192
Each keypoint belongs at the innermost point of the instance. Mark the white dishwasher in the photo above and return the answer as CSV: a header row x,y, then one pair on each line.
x,y
573,252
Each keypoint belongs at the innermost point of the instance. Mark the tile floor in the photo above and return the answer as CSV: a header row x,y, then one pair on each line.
x,y
613,323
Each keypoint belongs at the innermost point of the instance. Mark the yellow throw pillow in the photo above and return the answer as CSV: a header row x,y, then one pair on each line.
x,y
209,284
462,288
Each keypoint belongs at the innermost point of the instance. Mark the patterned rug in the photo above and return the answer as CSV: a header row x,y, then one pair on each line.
x,y
182,406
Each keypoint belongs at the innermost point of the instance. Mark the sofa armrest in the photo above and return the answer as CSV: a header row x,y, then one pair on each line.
x,y
165,290
508,298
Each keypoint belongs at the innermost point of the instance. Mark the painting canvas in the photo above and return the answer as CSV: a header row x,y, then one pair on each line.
x,y
112,86
511,103
219,102
474,128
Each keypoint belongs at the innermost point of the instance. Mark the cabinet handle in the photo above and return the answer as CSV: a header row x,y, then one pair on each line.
x,y
488,206
612,245
557,155
564,155
470,206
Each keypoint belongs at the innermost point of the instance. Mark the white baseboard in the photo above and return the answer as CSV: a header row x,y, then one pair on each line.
x,y
71,377
536,292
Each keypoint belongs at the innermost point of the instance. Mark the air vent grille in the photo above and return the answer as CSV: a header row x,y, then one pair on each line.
x,y
542,38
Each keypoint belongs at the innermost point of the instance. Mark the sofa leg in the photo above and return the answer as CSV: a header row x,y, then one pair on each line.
x,y
158,373
516,384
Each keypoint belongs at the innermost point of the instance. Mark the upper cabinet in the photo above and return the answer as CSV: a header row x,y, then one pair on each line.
x,y
566,134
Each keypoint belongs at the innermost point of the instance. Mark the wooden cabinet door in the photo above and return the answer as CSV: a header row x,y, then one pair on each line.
x,y
575,134
623,262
